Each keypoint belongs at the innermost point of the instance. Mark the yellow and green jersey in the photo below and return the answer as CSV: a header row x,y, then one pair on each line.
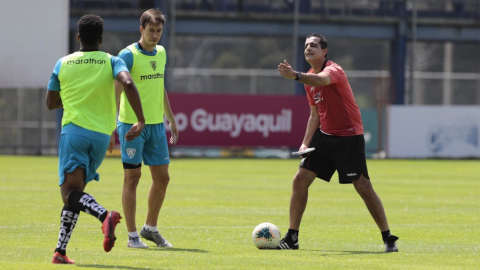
x,y
147,70
86,84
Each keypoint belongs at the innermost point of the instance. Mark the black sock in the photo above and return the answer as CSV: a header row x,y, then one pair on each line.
x,y
292,234
385,235
82,201
68,220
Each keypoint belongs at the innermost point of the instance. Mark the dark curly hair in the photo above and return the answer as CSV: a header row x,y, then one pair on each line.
x,y
90,29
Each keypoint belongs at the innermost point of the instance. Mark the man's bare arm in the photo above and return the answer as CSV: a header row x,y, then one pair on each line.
x,y
134,99
312,79
53,100
312,126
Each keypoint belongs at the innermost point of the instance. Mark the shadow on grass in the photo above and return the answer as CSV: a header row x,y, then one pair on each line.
x,y
113,267
329,252
344,252
178,249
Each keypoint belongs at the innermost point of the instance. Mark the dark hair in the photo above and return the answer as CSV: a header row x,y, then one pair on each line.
x,y
321,39
90,29
152,16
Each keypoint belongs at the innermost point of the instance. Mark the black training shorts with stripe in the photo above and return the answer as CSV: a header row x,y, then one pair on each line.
x,y
335,153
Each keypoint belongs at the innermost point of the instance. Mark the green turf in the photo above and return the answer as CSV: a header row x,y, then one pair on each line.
x,y
213,205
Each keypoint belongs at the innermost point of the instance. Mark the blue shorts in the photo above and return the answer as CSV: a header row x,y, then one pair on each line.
x,y
80,147
151,146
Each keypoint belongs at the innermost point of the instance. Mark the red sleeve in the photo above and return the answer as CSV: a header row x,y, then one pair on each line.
x,y
336,74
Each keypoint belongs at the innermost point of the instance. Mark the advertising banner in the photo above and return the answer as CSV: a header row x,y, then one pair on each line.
x,y
240,120
433,131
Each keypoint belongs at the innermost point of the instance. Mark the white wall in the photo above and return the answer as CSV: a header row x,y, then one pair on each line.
x,y
433,131
34,35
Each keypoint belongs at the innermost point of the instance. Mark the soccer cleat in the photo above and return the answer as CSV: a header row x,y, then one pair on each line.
x,y
61,259
135,242
287,243
155,237
108,228
390,245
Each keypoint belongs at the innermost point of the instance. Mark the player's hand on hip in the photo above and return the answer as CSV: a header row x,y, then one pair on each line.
x,y
174,134
286,70
135,131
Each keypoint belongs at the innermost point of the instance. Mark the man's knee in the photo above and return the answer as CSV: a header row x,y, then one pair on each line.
x,y
165,178
74,181
363,185
132,177
160,174
66,191
303,180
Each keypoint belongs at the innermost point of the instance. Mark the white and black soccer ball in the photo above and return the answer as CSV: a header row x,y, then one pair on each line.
x,y
266,236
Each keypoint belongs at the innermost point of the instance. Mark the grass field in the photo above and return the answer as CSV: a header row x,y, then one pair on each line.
x,y
213,205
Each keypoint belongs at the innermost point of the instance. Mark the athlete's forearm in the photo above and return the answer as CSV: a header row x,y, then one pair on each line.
x,y
134,99
58,104
167,109
312,126
53,100
314,79
118,92
132,94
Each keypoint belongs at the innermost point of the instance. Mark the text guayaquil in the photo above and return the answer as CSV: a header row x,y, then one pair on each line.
x,y
201,120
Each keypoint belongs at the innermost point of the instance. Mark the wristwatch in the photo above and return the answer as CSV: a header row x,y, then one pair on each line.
x,y
298,75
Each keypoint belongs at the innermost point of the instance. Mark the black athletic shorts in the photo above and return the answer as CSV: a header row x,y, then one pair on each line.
x,y
334,153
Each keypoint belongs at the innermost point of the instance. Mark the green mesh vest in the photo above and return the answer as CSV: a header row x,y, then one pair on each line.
x,y
88,91
147,73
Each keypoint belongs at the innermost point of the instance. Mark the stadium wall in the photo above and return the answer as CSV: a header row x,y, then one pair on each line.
x,y
34,36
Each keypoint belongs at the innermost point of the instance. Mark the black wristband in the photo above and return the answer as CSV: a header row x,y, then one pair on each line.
x,y
297,76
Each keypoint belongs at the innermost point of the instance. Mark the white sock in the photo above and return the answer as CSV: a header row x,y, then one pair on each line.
x,y
151,228
133,234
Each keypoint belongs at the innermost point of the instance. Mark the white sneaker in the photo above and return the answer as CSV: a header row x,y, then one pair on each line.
x,y
155,237
135,242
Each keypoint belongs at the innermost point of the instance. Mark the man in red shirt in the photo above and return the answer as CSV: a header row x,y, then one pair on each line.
x,y
335,130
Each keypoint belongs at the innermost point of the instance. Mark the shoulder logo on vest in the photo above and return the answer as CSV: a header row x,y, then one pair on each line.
x,y
153,64
131,152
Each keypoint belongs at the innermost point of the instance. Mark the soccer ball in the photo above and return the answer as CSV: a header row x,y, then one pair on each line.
x,y
266,236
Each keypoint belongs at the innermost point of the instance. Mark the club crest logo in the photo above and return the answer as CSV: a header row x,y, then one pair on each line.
x,y
153,64
318,97
131,152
